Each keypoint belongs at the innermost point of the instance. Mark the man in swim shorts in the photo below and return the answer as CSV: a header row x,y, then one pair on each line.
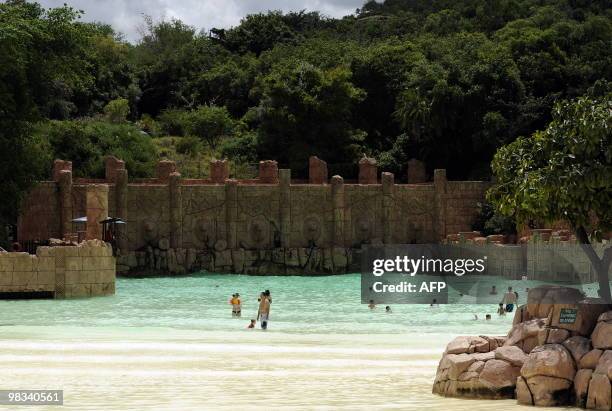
x,y
509,299
264,311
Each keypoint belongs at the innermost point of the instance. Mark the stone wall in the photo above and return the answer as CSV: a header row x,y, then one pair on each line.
x,y
558,261
269,213
85,270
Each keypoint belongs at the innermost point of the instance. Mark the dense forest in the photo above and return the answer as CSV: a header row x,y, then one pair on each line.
x,y
444,81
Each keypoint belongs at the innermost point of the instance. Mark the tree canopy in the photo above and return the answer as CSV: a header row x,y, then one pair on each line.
x,y
564,173
446,81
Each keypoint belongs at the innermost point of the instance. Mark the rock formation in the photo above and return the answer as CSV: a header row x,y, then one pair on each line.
x,y
542,361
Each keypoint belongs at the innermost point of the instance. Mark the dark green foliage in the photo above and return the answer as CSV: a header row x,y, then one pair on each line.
x,y
87,142
190,145
210,124
306,111
488,221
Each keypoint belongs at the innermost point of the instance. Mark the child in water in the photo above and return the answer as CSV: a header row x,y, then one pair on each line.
x,y
501,310
251,324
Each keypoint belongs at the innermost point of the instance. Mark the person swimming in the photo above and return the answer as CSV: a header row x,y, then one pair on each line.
x,y
371,306
488,317
388,309
252,324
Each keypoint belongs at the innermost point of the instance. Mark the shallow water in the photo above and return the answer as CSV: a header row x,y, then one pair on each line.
x,y
171,343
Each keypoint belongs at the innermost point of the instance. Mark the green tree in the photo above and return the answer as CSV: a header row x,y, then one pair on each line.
x,y
306,111
563,173
210,124
41,55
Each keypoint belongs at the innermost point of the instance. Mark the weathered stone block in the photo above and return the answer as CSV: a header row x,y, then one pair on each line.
x,y
46,277
268,172
74,263
6,278
368,171
317,171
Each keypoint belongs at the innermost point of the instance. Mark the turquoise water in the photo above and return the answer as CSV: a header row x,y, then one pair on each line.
x,y
325,304
170,343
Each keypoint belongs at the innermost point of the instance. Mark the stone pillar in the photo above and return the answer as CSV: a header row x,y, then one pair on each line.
x,y
231,212
416,172
97,209
112,165
388,190
163,169
317,171
65,196
337,188
368,171
285,206
176,217
121,197
60,165
440,203
268,172
219,171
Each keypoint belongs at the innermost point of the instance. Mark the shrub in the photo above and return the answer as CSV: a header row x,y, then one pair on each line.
x,y
173,122
241,148
488,221
149,125
188,145
210,124
117,110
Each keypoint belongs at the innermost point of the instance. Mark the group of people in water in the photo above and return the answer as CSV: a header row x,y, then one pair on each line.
x,y
263,312
507,304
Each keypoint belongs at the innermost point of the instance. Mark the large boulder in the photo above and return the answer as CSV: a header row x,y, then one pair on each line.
x,y
472,344
590,359
581,386
499,376
551,360
541,300
511,354
577,346
525,335
602,334
604,365
549,391
458,364
523,394
600,393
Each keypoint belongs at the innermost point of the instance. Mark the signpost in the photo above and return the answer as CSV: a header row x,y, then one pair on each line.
x,y
568,315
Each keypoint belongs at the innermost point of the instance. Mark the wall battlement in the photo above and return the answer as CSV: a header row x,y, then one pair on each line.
x,y
269,212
